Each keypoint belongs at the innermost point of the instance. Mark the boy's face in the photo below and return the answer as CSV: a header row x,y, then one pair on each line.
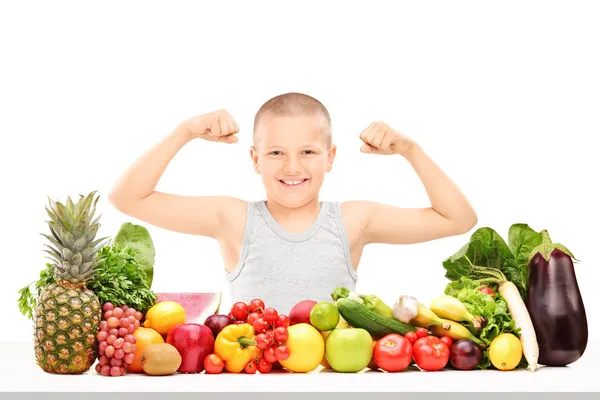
x,y
292,155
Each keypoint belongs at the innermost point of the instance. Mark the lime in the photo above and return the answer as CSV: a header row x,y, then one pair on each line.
x,y
324,316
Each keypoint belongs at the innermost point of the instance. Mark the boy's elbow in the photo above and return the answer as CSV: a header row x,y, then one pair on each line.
x,y
465,224
116,200
468,223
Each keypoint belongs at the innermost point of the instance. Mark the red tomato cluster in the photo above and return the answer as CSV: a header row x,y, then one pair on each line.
x,y
394,352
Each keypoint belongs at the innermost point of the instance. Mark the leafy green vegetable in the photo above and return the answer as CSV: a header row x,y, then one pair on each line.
x,y
495,310
487,248
121,279
137,238
28,300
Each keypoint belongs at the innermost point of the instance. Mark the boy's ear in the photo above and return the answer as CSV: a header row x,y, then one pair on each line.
x,y
254,157
331,156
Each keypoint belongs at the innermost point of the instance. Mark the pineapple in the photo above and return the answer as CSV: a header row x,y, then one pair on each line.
x,y
67,316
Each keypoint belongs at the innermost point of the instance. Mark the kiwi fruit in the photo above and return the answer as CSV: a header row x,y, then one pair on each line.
x,y
161,359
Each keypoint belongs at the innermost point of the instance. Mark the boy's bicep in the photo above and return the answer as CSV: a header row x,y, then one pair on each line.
x,y
196,215
394,225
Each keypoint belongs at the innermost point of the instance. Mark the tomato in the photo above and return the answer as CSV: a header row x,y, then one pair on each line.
x,y
392,353
270,315
251,367
213,364
261,341
282,321
264,367
447,340
257,305
282,352
252,317
259,325
269,355
430,354
239,311
487,290
280,334
421,332
411,336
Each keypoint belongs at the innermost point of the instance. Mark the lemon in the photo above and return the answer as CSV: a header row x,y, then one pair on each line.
x,y
505,352
164,316
324,316
307,348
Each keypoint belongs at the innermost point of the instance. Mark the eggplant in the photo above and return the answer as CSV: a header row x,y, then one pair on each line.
x,y
555,305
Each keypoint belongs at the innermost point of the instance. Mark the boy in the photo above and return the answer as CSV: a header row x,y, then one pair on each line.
x,y
292,246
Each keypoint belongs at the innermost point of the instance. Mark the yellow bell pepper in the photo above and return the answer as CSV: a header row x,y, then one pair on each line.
x,y
236,346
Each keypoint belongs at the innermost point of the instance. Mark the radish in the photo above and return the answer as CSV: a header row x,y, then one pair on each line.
x,y
518,311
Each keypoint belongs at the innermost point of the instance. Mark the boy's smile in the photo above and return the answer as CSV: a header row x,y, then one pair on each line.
x,y
293,183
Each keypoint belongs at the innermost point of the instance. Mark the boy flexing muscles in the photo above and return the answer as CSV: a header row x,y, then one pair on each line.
x,y
291,246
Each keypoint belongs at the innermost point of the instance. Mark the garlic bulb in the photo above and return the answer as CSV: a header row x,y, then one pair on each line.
x,y
405,309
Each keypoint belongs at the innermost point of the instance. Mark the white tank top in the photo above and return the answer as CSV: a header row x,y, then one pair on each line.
x,y
283,268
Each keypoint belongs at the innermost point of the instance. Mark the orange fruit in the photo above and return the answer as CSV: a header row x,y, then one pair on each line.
x,y
144,337
164,316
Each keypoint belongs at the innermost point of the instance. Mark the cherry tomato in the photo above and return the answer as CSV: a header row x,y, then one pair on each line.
x,y
259,325
447,340
280,334
261,341
421,332
283,321
269,355
264,367
252,318
411,336
270,315
393,353
240,311
257,305
213,364
430,354
487,290
282,353
251,367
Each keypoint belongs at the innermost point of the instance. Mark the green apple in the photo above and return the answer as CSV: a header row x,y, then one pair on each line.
x,y
349,349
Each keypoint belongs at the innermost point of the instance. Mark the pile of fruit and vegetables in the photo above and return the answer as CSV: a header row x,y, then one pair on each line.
x,y
508,305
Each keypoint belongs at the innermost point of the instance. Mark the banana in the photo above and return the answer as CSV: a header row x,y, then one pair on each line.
x,y
425,317
451,308
456,332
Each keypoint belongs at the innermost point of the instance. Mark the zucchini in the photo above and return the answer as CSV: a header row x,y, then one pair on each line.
x,y
359,316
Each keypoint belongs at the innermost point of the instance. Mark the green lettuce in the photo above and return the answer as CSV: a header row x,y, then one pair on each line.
x,y
137,238
486,248
494,309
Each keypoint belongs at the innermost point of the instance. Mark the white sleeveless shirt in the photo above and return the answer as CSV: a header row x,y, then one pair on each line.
x,y
283,268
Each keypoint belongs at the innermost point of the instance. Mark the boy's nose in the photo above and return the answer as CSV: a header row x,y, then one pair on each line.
x,y
292,165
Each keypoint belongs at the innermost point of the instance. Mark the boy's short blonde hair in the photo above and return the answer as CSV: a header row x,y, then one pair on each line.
x,y
295,105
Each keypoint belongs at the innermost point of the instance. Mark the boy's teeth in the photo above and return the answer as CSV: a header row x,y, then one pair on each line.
x,y
292,182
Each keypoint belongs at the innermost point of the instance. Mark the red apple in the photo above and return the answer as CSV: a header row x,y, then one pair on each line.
x,y
193,342
300,313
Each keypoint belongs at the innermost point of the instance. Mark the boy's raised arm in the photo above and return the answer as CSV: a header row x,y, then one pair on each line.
x,y
134,194
450,212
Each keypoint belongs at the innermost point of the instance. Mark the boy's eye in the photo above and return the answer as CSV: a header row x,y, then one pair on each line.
x,y
309,152
275,153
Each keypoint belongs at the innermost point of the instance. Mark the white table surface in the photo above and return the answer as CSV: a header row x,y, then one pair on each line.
x,y
19,372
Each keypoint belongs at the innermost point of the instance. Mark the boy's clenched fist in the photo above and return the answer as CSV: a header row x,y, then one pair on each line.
x,y
380,138
216,126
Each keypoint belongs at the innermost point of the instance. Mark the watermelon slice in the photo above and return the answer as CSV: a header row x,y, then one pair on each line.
x,y
198,306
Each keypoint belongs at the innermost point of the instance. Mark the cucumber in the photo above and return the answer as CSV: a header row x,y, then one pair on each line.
x,y
359,316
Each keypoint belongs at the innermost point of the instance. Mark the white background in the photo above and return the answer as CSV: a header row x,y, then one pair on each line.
x,y
504,97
